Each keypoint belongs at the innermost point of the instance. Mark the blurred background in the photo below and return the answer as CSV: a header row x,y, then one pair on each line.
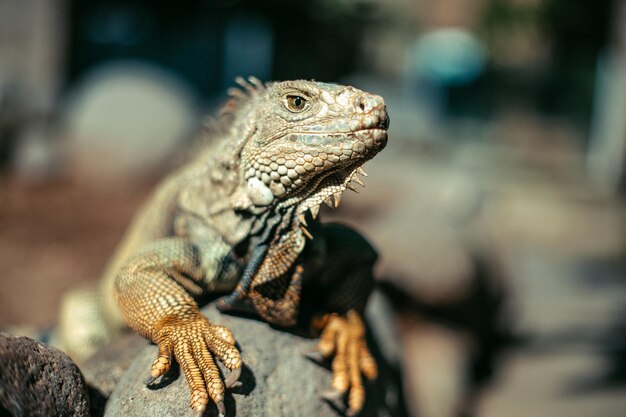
x,y
498,206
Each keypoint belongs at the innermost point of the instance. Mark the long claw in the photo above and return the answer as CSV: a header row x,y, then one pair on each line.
x,y
233,378
335,399
150,379
331,395
351,413
316,357
221,409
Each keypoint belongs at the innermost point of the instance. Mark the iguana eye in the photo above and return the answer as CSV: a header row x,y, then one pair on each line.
x,y
296,103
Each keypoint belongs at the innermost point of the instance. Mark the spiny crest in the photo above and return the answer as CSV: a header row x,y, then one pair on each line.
x,y
220,128
247,88
252,86
219,125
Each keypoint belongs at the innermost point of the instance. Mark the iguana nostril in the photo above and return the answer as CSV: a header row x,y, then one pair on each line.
x,y
362,104
366,103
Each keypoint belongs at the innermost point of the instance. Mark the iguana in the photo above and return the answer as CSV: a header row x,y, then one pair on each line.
x,y
242,219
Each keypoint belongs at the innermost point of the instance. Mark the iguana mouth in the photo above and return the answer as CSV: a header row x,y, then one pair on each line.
x,y
315,159
332,184
330,190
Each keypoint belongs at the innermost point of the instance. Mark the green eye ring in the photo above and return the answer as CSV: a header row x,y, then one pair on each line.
x,y
296,103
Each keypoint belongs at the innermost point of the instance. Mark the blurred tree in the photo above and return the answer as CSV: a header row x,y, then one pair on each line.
x,y
578,31
543,58
317,39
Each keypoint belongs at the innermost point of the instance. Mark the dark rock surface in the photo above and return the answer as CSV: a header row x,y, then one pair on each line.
x,y
277,380
38,380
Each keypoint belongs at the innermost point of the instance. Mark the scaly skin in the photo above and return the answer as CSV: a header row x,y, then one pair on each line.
x,y
241,217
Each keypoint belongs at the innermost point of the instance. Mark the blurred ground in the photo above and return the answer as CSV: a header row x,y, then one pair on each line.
x,y
54,236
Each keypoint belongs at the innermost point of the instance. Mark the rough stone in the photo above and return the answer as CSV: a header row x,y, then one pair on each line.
x,y
38,380
103,370
277,380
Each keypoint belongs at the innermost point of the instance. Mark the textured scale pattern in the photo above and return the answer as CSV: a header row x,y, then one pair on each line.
x,y
159,308
241,218
276,289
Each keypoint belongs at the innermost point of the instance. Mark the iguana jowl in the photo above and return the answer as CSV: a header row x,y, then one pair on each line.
x,y
241,218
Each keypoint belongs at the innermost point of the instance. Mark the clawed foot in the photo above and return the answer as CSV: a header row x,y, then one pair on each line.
x,y
345,338
195,342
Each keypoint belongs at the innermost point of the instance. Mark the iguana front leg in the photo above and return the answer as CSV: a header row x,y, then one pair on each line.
x,y
344,288
273,290
153,292
344,337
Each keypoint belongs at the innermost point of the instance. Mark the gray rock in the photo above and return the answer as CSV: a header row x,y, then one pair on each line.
x,y
38,380
277,380
103,370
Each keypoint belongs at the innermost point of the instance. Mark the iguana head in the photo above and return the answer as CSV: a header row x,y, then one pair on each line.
x,y
307,140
